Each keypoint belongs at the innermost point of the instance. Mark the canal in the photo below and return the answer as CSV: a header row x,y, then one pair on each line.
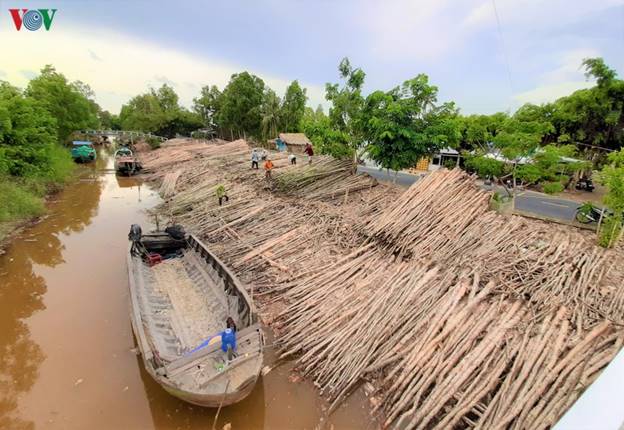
x,y
67,356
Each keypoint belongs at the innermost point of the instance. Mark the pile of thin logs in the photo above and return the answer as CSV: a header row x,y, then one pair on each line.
x,y
463,318
550,314
444,218
290,235
454,352
167,187
327,178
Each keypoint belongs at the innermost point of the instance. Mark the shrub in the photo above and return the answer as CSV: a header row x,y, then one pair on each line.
x,y
552,187
153,142
609,231
17,202
484,166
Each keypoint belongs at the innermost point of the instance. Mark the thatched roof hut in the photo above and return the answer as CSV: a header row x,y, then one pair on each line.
x,y
294,139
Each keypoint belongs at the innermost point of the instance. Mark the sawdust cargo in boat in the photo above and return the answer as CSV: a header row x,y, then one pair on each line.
x,y
181,296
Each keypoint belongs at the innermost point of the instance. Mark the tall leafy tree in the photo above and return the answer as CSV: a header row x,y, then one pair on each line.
x,y
405,124
326,139
293,107
158,111
240,107
612,176
207,105
347,104
271,114
71,104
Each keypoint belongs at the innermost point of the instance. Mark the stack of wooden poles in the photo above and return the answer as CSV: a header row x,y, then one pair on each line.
x,y
459,316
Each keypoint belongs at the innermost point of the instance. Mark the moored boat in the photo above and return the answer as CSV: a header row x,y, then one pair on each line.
x,y
125,162
181,297
83,151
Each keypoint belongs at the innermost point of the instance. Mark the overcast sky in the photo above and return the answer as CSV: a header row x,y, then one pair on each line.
x,y
121,48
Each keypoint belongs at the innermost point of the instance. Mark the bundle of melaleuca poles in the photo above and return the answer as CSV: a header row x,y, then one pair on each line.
x,y
459,317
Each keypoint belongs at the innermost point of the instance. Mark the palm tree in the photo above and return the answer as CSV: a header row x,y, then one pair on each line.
x,y
271,115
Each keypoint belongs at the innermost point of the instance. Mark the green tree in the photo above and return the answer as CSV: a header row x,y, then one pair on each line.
x,y
485,167
240,107
347,104
31,159
71,104
519,138
326,140
207,105
28,134
158,111
109,121
293,108
612,176
404,124
271,114
592,116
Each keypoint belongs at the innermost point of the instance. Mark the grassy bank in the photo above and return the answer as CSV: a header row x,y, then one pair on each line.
x,y
22,198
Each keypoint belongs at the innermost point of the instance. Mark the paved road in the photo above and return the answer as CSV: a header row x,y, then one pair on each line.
x,y
403,179
527,201
551,207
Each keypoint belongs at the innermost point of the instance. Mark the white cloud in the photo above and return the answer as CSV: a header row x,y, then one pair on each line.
x,y
561,81
94,56
424,29
480,15
550,92
533,13
127,66
570,65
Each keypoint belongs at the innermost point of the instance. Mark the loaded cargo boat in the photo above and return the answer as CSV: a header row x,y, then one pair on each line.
x,y
184,302
83,151
126,163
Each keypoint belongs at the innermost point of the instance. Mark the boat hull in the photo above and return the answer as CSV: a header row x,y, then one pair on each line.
x,y
165,374
211,401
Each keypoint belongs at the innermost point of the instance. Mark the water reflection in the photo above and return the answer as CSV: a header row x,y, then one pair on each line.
x,y
66,359
22,290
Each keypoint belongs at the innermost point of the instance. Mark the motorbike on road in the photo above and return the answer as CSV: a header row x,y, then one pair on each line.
x,y
587,213
584,184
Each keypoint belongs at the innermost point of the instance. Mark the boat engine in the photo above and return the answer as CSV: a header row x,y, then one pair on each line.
x,y
135,233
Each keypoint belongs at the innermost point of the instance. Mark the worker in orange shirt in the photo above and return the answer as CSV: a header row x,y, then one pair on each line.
x,y
268,166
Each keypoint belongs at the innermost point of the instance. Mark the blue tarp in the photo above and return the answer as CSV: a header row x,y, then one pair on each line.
x,y
81,142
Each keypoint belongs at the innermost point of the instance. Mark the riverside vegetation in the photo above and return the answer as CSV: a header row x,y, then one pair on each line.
x,y
34,124
395,128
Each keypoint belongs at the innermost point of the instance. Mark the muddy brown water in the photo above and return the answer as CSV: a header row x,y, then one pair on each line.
x,y
66,345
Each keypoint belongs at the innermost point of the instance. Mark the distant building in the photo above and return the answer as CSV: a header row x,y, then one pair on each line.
x,y
445,157
294,142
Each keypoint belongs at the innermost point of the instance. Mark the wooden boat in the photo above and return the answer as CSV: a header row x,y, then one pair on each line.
x,y
179,303
125,162
83,151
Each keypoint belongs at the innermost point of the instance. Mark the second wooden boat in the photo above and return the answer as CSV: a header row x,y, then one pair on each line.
x,y
181,296
126,163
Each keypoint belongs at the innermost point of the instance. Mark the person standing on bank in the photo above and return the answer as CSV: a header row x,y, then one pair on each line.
x,y
309,151
268,167
221,194
255,158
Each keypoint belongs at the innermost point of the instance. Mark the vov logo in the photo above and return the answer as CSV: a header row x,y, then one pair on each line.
x,y
32,19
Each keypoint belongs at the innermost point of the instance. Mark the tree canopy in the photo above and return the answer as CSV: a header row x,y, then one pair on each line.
x,y
159,112
293,107
71,104
404,124
240,110
347,104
